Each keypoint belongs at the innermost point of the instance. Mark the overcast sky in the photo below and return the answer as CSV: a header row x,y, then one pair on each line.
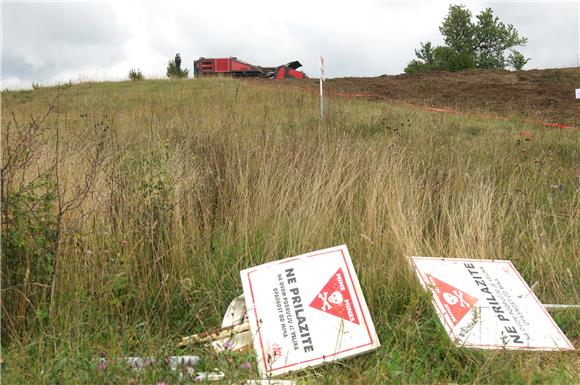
x,y
56,41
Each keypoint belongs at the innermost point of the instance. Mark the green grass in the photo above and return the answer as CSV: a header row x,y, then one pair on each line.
x,y
162,191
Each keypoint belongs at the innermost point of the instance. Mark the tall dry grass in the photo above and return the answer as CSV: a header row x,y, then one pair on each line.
x,y
170,189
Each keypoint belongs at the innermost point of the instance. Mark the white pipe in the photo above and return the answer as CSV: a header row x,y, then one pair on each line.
x,y
321,93
552,306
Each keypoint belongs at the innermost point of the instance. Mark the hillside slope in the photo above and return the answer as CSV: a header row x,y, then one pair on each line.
x,y
129,209
546,95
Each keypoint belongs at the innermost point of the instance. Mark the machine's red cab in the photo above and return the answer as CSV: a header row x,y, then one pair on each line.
x,y
231,66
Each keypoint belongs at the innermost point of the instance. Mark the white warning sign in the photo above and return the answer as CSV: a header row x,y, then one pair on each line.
x,y
307,310
486,304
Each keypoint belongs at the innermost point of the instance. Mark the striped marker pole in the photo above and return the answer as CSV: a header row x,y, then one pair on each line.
x,y
321,92
552,306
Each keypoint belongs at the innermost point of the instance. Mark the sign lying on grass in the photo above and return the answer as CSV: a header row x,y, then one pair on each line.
x,y
487,304
307,310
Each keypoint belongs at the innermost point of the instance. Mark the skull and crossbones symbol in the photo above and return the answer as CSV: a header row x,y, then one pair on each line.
x,y
335,298
457,296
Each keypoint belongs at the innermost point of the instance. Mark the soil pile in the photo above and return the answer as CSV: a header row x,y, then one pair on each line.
x,y
546,95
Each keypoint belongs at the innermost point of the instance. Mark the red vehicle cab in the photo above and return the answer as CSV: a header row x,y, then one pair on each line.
x,y
228,66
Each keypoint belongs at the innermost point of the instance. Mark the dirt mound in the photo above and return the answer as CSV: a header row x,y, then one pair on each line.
x,y
546,95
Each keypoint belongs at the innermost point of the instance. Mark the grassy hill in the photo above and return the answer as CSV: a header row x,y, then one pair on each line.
x,y
129,209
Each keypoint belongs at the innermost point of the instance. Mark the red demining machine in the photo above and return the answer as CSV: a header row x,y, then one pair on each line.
x,y
235,67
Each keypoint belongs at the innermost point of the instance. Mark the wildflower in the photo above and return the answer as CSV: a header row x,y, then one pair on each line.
x,y
246,365
228,345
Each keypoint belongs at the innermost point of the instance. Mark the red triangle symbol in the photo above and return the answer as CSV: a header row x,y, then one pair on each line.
x,y
456,303
335,299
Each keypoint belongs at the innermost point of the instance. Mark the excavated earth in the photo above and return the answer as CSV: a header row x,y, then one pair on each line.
x,y
544,95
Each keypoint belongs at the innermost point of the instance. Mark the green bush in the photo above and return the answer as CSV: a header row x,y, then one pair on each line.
x,y
136,74
174,73
517,60
29,243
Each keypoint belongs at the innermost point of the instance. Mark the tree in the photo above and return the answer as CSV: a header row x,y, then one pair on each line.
x,y
468,44
174,73
458,30
492,39
425,53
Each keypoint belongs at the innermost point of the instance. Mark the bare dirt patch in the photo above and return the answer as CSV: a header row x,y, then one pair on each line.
x,y
546,95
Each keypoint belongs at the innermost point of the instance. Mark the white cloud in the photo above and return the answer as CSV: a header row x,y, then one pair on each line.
x,y
51,42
